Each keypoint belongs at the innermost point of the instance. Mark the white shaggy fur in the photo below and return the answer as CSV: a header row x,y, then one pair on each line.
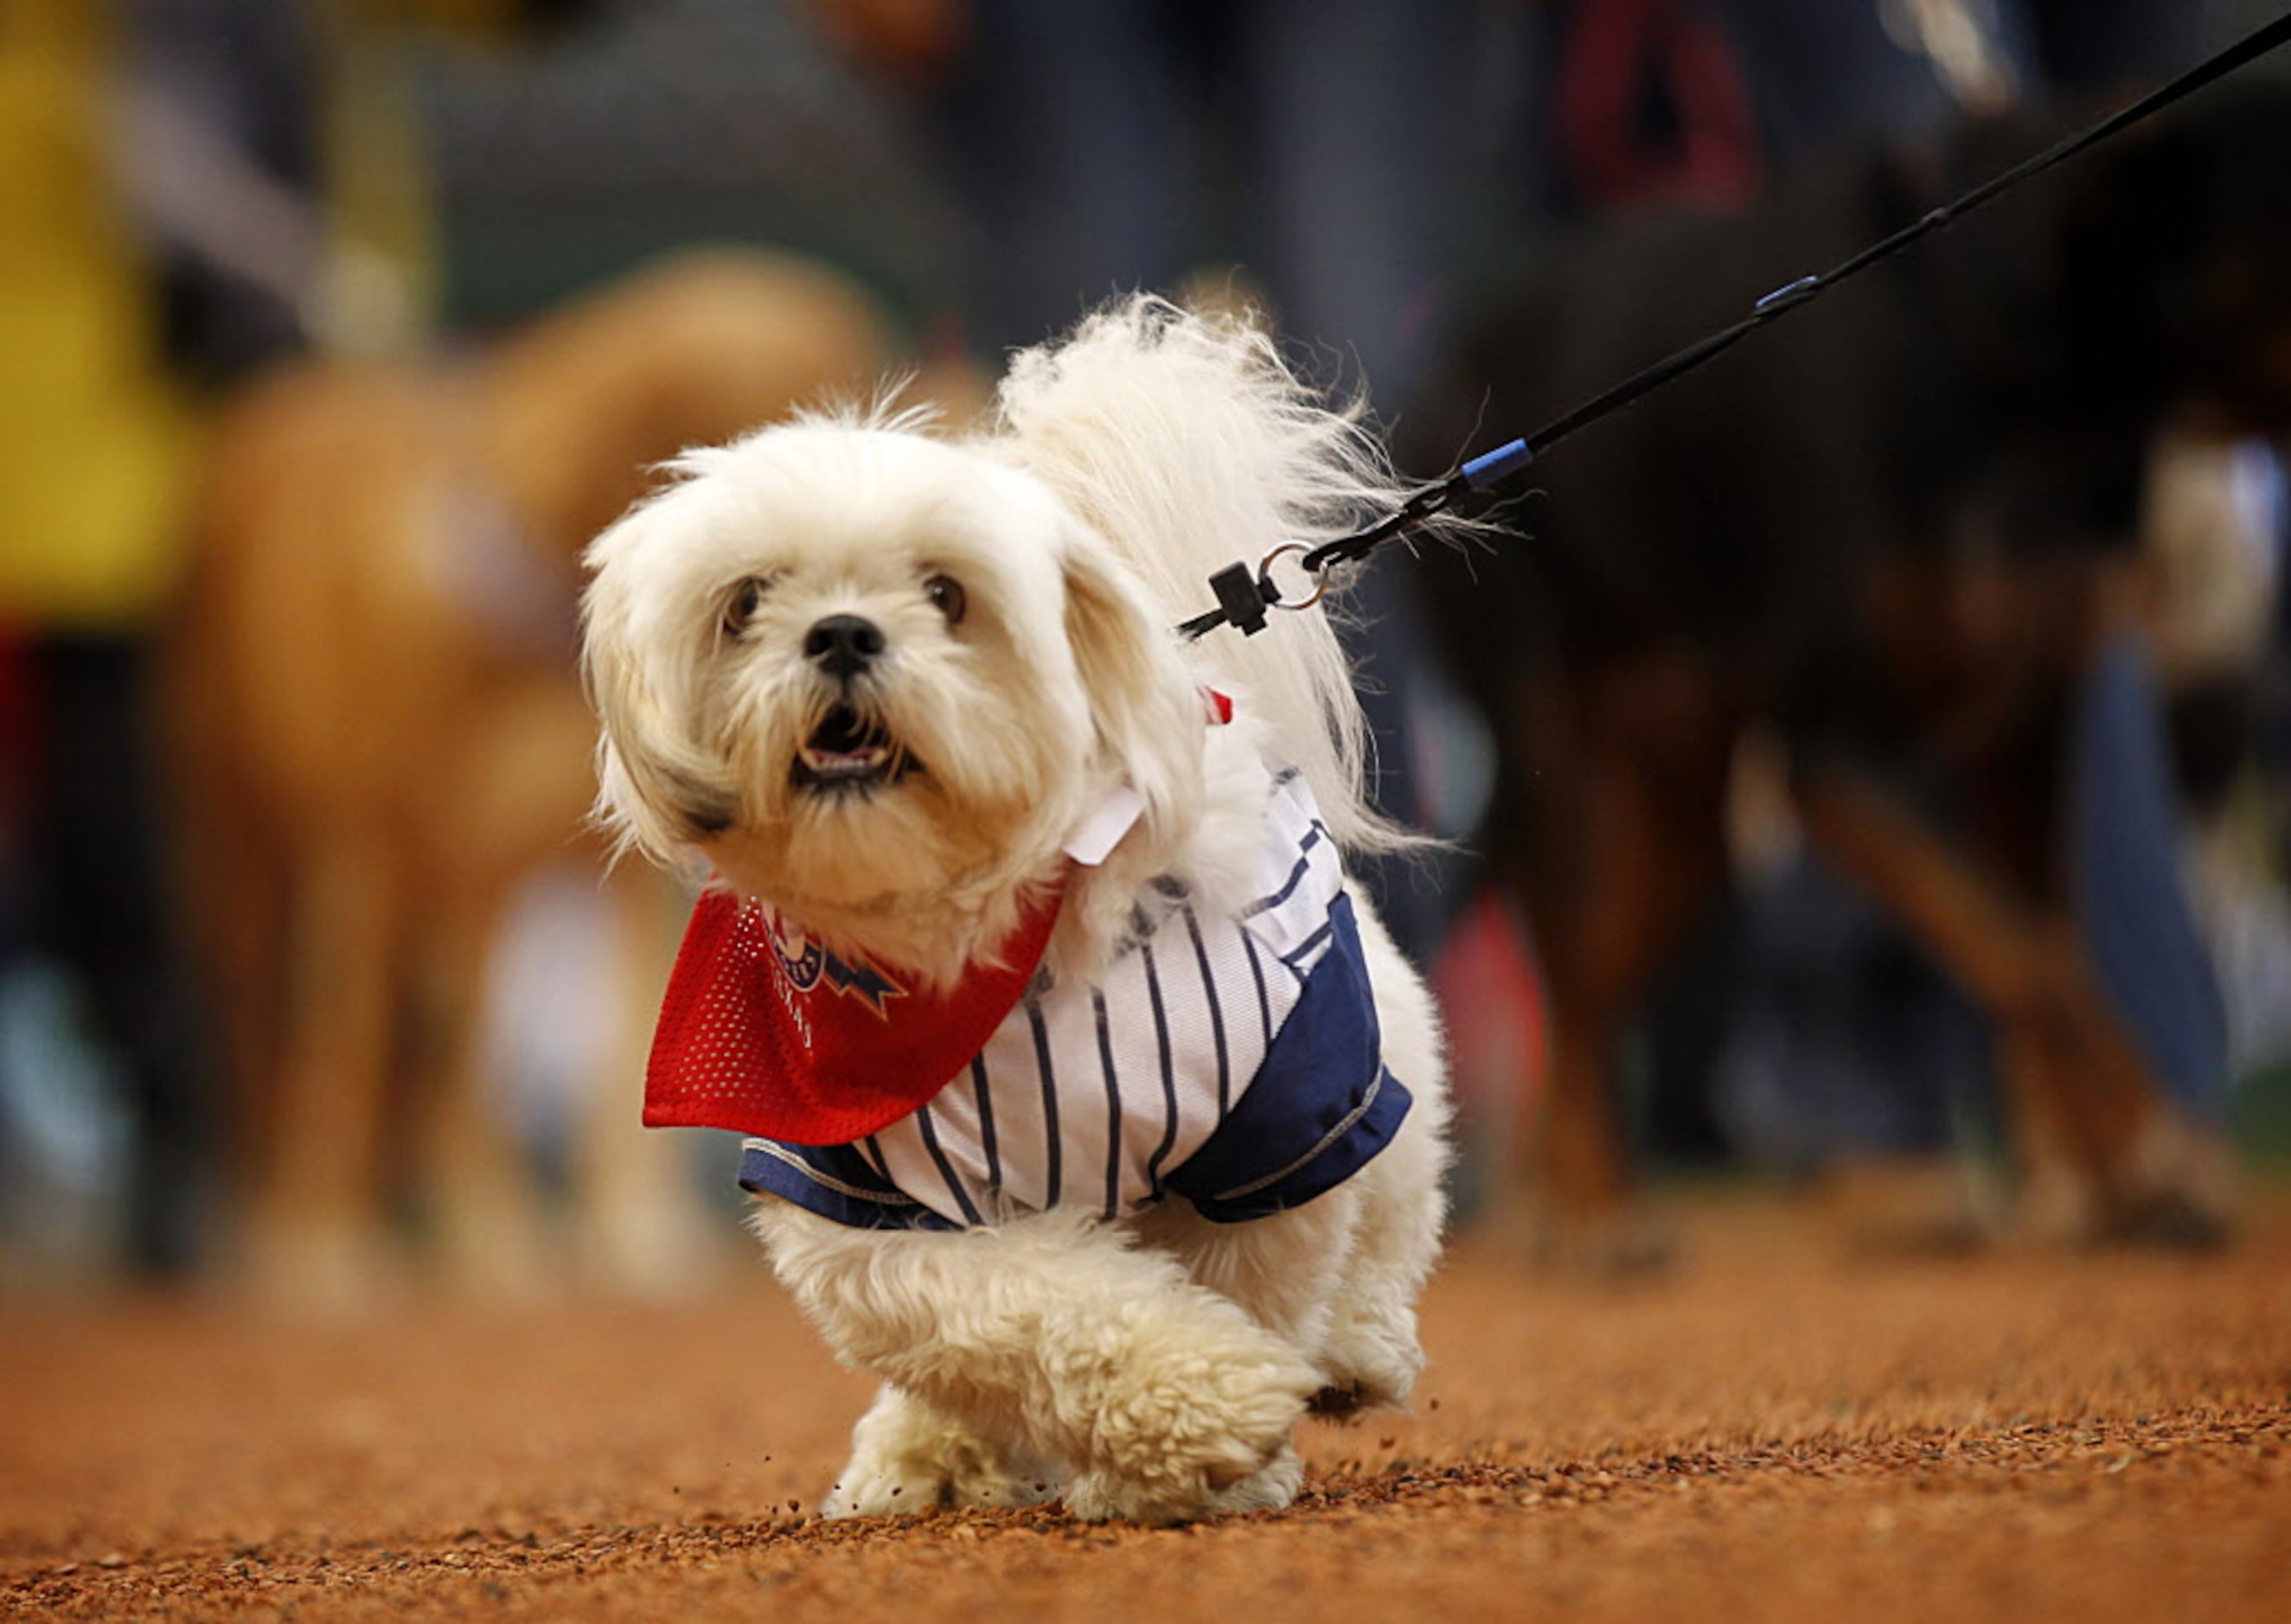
x,y
1153,1369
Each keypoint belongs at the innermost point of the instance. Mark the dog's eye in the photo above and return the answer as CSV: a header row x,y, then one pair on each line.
x,y
740,607
947,594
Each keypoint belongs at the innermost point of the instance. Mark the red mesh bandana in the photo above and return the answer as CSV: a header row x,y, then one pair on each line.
x,y
764,1034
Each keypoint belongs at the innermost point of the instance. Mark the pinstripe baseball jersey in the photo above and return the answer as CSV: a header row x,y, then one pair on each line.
x,y
1233,1062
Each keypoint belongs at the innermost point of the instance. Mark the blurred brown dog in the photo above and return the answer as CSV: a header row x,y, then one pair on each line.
x,y
382,737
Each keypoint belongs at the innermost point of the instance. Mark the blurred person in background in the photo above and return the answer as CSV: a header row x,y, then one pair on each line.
x,y
116,332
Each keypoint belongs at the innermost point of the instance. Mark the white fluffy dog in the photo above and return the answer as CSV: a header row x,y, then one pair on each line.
x,y
1089,1111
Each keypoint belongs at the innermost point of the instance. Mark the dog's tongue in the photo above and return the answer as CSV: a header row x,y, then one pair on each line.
x,y
764,1034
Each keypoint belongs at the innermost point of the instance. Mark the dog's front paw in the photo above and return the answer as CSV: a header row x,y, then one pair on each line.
x,y
884,1489
1194,1432
1099,1497
907,1457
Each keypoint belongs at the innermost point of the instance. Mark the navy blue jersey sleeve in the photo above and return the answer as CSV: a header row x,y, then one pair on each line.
x,y
1320,1107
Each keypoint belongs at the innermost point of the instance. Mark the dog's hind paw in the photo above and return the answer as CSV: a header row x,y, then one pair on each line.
x,y
907,1457
1373,1360
1272,1488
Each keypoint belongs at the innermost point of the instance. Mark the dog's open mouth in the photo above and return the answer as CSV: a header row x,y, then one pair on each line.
x,y
851,752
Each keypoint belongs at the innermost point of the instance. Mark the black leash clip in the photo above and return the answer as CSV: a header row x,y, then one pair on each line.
x,y
1243,598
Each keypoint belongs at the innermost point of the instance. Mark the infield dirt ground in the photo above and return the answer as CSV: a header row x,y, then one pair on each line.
x,y
1783,1426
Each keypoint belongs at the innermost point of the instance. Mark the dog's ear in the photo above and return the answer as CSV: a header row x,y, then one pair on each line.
x,y
655,789
1147,712
651,793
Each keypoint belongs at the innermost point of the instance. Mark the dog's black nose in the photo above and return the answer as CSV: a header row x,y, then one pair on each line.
x,y
843,645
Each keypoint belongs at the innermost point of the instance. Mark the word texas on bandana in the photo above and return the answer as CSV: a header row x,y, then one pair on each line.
x,y
763,1033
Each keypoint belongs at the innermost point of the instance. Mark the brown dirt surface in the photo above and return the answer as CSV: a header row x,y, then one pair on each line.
x,y
1783,1426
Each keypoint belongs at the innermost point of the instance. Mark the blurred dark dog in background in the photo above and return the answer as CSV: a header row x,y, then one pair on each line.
x,y
1894,532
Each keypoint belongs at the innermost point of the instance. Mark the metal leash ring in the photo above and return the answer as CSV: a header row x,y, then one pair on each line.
x,y
1264,575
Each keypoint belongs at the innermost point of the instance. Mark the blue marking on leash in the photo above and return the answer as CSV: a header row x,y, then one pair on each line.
x,y
1782,298
1490,469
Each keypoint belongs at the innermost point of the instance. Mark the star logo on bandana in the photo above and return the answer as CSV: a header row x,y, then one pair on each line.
x,y
870,987
808,965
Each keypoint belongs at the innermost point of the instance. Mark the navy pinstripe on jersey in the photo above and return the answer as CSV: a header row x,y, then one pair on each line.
x,y
1234,1062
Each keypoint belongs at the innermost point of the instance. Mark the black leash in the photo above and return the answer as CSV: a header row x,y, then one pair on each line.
x,y
1244,598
